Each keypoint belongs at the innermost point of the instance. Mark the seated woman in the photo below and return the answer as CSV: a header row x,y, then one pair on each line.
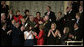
x,y
53,35
40,37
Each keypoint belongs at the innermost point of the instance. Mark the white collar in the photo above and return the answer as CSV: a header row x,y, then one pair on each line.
x,y
3,28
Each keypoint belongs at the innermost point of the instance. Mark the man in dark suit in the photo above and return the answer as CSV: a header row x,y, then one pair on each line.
x,y
75,6
51,14
81,20
70,18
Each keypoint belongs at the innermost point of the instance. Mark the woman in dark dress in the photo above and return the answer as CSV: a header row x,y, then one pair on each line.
x,y
53,35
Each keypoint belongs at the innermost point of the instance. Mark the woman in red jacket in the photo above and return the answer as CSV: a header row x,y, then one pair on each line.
x,y
40,37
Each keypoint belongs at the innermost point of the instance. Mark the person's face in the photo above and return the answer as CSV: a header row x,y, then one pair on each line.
x,y
64,31
3,17
18,13
37,15
31,18
5,26
59,14
77,17
52,26
17,25
27,13
10,11
47,8
46,18
81,2
67,9
3,2
22,28
13,22
80,8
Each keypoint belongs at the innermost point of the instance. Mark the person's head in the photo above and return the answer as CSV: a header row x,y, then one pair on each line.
x,y
10,11
17,25
3,16
66,30
38,14
31,18
41,27
18,12
46,18
22,28
3,25
77,15
81,3
26,12
67,9
13,22
80,8
76,25
53,26
48,8
3,2
29,28
70,7
59,13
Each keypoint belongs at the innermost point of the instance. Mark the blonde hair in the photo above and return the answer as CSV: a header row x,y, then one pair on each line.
x,y
54,25
41,26
78,14
66,29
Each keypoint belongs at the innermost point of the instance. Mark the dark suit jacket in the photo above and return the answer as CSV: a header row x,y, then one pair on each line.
x,y
69,20
77,33
51,16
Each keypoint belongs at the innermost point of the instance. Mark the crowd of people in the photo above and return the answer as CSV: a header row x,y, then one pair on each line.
x,y
27,30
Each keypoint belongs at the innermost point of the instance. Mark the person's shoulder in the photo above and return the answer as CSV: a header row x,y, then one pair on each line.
x,y
52,12
25,31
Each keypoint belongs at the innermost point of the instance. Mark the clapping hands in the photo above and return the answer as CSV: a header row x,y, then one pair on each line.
x,y
35,34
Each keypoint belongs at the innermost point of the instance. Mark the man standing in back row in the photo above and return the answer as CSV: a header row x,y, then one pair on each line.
x,y
51,14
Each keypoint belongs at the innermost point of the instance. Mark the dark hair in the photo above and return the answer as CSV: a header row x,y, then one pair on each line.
x,y
3,24
17,11
49,7
26,11
38,12
60,12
